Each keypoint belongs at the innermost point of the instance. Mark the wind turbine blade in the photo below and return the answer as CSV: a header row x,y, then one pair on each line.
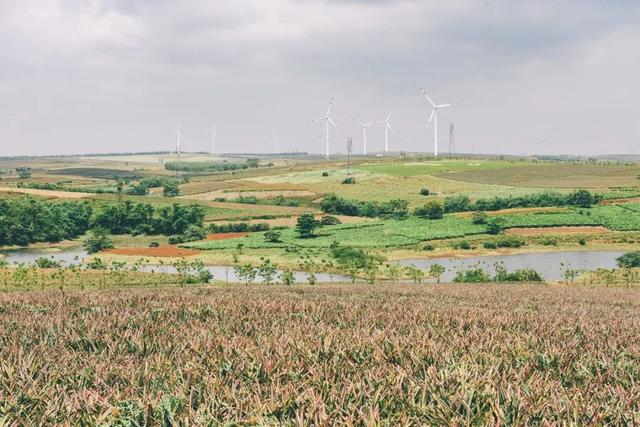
x,y
433,113
388,117
390,128
444,105
329,107
332,122
428,97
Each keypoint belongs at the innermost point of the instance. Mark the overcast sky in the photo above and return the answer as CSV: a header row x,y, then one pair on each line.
x,y
81,76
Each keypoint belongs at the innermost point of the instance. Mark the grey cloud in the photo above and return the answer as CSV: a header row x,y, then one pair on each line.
x,y
116,75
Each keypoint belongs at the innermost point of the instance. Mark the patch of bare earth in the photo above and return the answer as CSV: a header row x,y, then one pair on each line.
x,y
536,231
224,236
46,193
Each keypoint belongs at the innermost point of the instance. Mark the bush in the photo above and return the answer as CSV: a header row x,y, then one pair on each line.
x,y
329,220
176,239
495,226
424,191
433,209
170,189
349,180
154,244
194,233
325,173
479,217
510,242
249,200
549,241
473,275
463,244
582,242
272,237
629,260
428,248
44,262
280,200
490,245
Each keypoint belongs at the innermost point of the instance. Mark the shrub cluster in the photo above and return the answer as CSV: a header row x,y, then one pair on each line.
x,y
581,198
238,227
506,242
334,204
479,275
211,166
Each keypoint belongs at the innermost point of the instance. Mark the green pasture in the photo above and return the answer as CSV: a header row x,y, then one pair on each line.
x,y
437,167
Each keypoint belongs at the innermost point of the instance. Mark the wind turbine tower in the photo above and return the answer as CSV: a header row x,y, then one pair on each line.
x,y
276,144
179,135
452,142
213,131
328,120
364,134
434,117
387,128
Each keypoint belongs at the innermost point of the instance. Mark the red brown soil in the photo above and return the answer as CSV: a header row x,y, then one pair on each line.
x,y
223,236
535,231
170,251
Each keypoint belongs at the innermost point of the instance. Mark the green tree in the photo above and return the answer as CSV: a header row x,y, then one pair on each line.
x,y
393,272
306,225
98,240
496,225
287,277
170,189
414,273
436,270
246,272
629,260
433,209
582,198
24,172
267,271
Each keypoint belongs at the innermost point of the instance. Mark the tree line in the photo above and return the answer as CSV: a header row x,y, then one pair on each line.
x,y
434,209
211,166
28,220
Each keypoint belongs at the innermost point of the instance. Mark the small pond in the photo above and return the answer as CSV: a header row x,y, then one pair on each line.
x,y
551,265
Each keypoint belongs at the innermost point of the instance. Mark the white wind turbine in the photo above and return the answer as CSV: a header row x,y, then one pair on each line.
x,y
179,135
387,128
364,133
276,143
213,131
327,118
434,117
